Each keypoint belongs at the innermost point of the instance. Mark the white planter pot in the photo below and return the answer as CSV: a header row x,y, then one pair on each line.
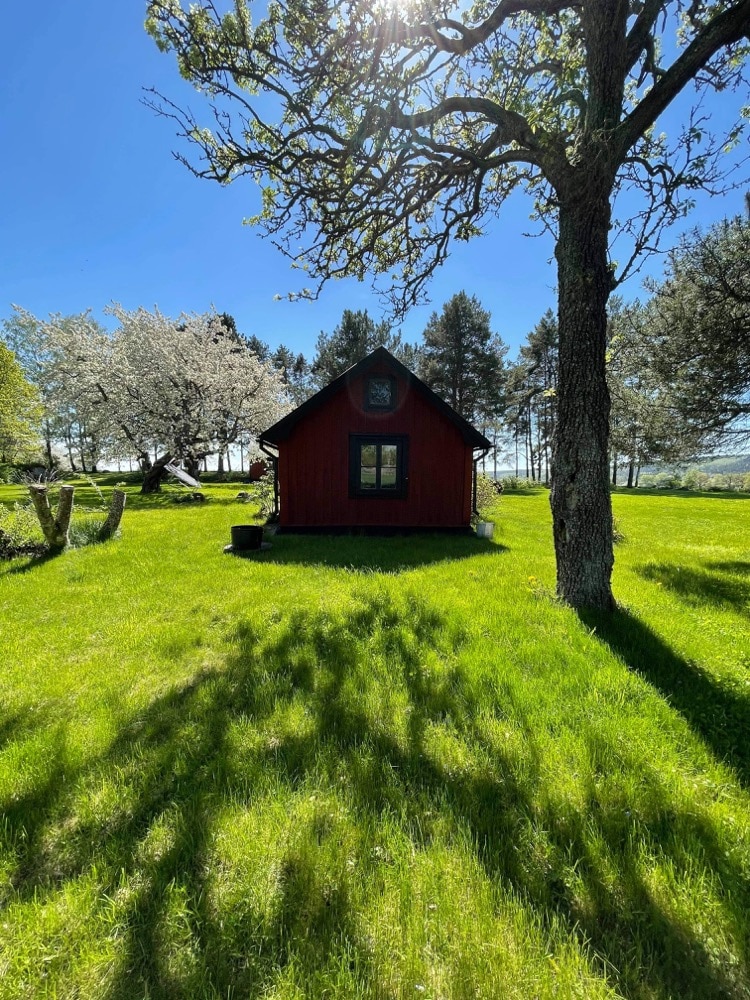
x,y
485,529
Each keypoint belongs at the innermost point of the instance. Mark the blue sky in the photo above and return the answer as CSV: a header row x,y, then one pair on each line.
x,y
95,209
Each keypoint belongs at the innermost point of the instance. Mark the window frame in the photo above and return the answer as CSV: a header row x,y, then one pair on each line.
x,y
368,405
399,492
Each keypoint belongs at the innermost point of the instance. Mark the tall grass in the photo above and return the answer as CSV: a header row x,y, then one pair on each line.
x,y
358,767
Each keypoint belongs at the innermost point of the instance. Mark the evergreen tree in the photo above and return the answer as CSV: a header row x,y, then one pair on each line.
x,y
356,336
539,356
462,360
699,318
295,371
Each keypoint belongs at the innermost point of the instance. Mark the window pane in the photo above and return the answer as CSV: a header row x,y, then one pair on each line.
x,y
388,477
388,466
368,473
388,453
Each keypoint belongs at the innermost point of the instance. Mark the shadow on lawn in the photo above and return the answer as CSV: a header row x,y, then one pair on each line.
x,y
175,767
373,553
720,716
717,584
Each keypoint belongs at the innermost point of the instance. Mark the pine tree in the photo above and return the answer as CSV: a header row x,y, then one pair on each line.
x,y
463,361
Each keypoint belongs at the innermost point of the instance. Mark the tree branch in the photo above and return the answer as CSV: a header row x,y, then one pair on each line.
x,y
723,29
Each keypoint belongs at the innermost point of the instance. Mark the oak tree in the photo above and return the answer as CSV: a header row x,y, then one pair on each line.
x,y
382,131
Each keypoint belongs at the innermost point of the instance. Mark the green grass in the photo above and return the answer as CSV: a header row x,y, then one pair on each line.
x,y
367,767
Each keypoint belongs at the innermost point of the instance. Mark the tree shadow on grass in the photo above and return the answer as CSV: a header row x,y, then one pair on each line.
x,y
32,562
719,715
716,585
372,553
736,566
142,814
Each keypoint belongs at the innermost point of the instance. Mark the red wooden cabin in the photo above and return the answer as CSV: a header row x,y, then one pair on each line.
x,y
375,449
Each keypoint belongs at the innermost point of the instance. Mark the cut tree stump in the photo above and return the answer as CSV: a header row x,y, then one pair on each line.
x,y
54,526
112,523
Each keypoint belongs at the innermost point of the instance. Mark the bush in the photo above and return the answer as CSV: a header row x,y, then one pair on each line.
x,y
20,533
262,494
84,529
667,481
695,478
518,483
718,483
488,493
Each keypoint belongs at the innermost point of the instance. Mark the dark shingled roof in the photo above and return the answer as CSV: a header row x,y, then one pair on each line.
x,y
281,430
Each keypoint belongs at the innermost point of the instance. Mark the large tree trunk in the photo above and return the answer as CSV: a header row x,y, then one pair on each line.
x,y
580,499
153,477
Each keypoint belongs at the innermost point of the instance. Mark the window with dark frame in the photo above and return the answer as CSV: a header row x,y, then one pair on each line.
x,y
380,392
377,465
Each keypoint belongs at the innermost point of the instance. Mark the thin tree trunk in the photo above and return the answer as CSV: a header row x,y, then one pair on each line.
x,y
614,468
580,497
48,443
112,523
631,470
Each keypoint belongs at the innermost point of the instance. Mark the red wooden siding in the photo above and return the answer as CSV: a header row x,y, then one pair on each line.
x,y
314,464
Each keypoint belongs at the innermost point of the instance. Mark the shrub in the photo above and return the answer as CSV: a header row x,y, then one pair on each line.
x,y
517,483
261,493
695,478
19,531
667,481
718,483
487,495
84,529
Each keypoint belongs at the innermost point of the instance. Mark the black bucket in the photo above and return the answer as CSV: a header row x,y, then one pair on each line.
x,y
246,536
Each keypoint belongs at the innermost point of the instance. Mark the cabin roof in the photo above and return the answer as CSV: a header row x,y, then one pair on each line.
x,y
281,430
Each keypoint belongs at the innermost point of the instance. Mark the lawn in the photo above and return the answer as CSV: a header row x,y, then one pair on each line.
x,y
367,767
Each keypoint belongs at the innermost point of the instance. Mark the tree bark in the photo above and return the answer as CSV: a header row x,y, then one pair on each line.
x,y
112,523
153,476
580,498
631,471
54,526
193,466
